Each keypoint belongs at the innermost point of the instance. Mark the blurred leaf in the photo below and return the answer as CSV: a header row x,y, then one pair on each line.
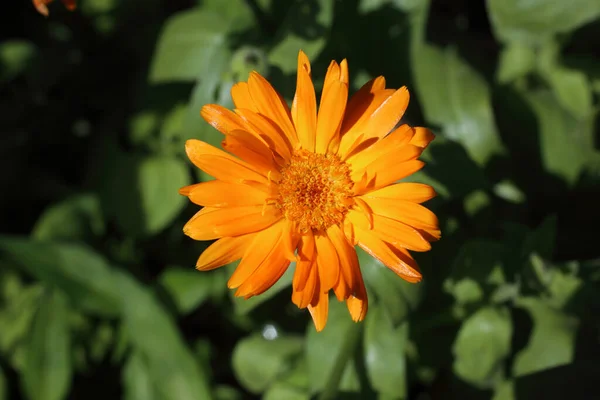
x,y
15,57
3,390
137,382
280,391
76,218
563,286
505,391
530,21
190,288
257,362
516,61
541,241
572,90
384,353
464,291
566,143
508,191
225,392
243,306
189,43
482,344
47,371
552,341
153,334
78,271
306,27
455,97
329,352
397,296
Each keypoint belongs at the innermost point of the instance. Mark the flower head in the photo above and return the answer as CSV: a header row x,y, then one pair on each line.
x,y
42,5
299,185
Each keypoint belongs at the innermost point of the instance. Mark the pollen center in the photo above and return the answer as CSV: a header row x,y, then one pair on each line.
x,y
315,191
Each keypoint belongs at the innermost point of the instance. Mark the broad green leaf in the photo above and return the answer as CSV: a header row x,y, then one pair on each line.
x,y
533,21
281,391
257,362
329,352
385,353
47,370
15,57
154,336
564,284
505,391
137,382
190,288
306,27
572,90
482,344
76,218
552,342
226,392
189,43
455,97
516,61
398,297
243,306
508,191
77,270
566,143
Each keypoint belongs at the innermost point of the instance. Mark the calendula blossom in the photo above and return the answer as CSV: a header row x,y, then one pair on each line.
x,y
299,185
42,5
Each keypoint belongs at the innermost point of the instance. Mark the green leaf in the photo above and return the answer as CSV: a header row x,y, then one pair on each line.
x,y
455,97
306,27
398,297
552,341
505,391
142,193
16,317
190,288
243,306
257,362
189,43
482,344
280,391
77,270
153,334
385,353
76,218
329,352
533,21
47,371
516,61
3,390
138,383
572,90
15,57
566,142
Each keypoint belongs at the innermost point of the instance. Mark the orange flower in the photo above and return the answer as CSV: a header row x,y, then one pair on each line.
x,y
297,185
42,5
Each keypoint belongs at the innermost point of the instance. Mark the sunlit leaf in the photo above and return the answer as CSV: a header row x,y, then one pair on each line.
x,y
15,57
516,61
47,371
572,90
138,383
283,391
190,288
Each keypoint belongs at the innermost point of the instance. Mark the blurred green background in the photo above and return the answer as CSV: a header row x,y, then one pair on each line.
x,y
99,298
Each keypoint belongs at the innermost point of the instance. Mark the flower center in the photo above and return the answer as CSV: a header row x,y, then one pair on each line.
x,y
315,190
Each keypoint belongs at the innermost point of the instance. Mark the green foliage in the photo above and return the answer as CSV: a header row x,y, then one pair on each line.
x,y
99,297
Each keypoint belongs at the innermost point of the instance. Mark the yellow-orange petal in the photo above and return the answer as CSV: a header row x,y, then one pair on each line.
x,y
270,104
252,150
214,223
367,150
407,191
302,297
319,309
260,249
220,164
332,106
408,259
422,137
222,119
327,262
407,212
268,131
360,101
224,194
347,256
240,94
385,161
304,106
358,302
224,251
378,249
386,177
307,254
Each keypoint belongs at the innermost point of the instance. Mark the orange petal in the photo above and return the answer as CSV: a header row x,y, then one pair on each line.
x,y
260,249
224,251
391,231
222,119
306,257
422,137
378,249
304,106
268,131
385,161
41,6
224,194
331,108
213,223
358,302
407,191
221,165
410,213
254,151
387,176
303,297
319,308
361,100
240,93
347,256
70,4
269,103
328,262
367,150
